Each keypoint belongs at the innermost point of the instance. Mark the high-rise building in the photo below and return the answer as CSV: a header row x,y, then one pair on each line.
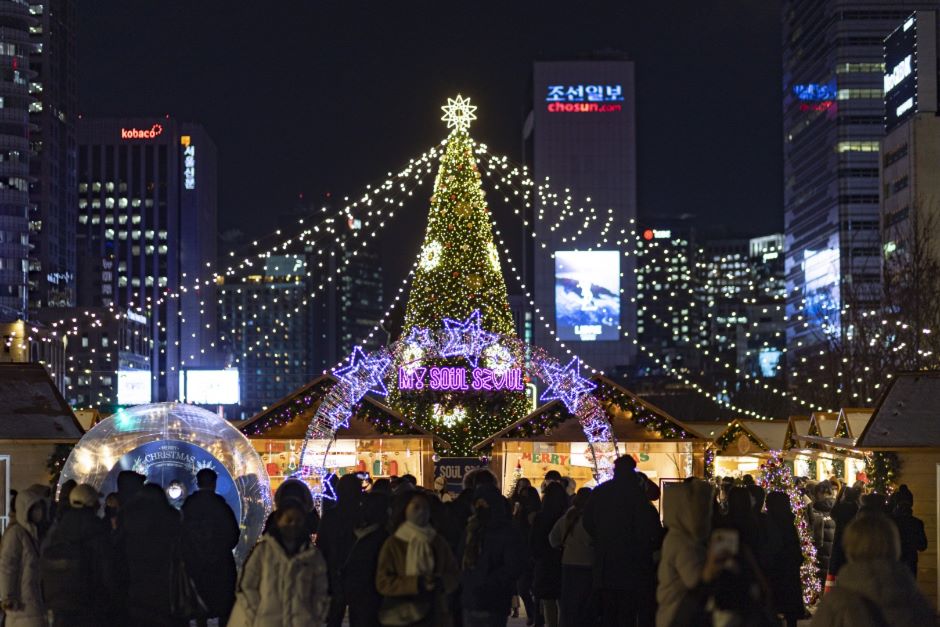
x,y
833,83
910,188
24,342
53,191
581,136
147,209
15,103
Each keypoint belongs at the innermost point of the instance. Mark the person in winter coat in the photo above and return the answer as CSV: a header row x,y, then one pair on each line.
x,y
149,542
357,575
77,564
546,580
874,588
335,538
210,534
20,587
493,554
783,570
824,527
687,514
910,528
299,491
842,513
524,510
577,564
284,581
416,570
625,528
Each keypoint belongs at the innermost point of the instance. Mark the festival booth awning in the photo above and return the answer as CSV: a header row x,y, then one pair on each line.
x,y
551,438
852,422
744,444
378,440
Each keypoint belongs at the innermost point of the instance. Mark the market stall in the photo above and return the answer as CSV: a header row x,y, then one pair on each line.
x,y
551,438
744,445
378,440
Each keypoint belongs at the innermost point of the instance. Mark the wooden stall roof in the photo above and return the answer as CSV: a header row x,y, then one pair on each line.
x,y
359,426
907,415
31,407
569,429
823,423
853,420
771,434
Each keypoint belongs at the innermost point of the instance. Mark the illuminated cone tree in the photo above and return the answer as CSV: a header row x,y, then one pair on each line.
x,y
459,274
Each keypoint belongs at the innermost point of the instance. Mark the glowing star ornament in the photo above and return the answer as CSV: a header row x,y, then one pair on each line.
x,y
566,384
498,358
430,256
449,417
466,338
365,373
458,113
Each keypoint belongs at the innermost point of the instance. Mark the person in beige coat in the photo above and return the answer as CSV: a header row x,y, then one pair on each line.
x,y
20,587
417,570
874,588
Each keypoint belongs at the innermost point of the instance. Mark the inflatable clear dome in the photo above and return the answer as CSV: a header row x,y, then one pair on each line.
x,y
169,443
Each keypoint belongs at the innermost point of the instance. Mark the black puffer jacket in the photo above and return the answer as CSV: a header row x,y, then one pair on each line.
x,y
824,532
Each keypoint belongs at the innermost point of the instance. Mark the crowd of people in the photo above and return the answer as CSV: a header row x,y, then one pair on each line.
x,y
389,552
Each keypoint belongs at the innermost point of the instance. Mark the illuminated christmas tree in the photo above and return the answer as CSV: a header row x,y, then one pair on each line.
x,y
459,285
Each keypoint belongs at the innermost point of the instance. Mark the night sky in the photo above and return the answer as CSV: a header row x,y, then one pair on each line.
x,y
325,96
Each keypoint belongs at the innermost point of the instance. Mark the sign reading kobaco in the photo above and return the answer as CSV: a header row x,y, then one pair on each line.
x,y
142,133
454,378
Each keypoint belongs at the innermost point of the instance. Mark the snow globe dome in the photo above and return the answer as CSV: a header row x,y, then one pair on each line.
x,y
169,443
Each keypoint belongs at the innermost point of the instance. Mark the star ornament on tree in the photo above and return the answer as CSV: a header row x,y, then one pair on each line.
x,y
458,113
365,373
566,384
466,338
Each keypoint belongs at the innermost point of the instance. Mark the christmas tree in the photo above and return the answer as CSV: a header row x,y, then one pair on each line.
x,y
459,278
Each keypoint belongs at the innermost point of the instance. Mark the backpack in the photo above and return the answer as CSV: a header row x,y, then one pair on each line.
x,y
67,576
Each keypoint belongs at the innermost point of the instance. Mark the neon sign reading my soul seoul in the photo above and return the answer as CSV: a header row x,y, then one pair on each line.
x,y
584,98
448,378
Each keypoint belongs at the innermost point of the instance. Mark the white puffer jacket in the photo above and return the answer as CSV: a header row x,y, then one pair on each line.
x,y
19,565
278,590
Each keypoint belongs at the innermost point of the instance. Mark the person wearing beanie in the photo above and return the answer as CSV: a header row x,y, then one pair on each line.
x,y
77,563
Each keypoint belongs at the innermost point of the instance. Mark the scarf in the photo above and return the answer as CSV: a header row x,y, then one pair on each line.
x,y
419,558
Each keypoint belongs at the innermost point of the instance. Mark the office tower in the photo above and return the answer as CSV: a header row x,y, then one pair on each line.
x,y
581,136
833,82
15,103
53,191
147,234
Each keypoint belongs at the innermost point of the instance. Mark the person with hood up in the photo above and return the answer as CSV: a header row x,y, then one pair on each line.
x,y
284,581
357,575
687,515
783,569
416,570
845,509
20,587
823,525
493,555
335,538
874,589
577,563
910,528
299,491
78,564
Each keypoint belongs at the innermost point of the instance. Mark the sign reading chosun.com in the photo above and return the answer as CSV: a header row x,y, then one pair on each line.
x,y
142,133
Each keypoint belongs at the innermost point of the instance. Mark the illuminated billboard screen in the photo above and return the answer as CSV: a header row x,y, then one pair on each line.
x,y
769,359
133,387
210,387
910,74
822,282
587,295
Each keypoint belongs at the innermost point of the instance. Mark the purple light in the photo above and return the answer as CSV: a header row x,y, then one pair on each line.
x,y
365,373
467,338
454,378
566,384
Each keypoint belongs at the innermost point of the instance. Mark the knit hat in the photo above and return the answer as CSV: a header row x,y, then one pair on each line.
x,y
83,495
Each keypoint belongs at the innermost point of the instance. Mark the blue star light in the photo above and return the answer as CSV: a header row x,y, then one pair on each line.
x,y
365,373
566,384
466,338
325,490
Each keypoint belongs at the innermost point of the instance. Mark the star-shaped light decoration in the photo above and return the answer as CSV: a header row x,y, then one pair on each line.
x,y
566,384
466,338
458,113
324,490
365,373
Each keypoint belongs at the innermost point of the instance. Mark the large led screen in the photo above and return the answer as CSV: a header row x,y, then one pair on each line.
x,y
133,387
587,295
210,387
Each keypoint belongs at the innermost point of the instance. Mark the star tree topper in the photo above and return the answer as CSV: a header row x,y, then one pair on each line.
x,y
466,338
566,384
458,113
